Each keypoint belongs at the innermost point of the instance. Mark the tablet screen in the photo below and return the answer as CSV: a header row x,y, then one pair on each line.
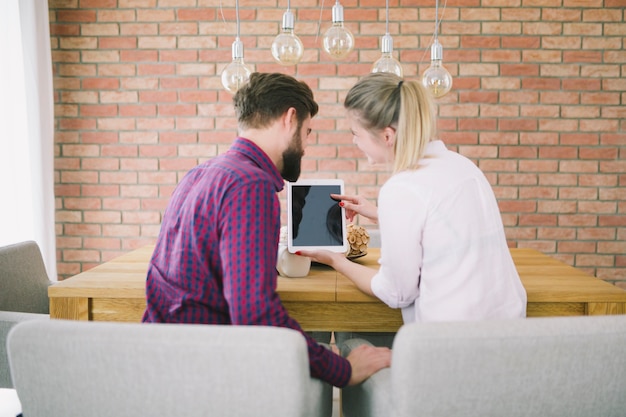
x,y
315,220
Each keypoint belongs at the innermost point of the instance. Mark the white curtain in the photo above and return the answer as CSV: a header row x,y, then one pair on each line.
x,y
27,128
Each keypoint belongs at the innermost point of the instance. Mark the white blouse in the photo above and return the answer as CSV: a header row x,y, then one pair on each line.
x,y
444,255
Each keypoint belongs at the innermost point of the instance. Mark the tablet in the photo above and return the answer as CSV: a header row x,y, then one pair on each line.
x,y
314,220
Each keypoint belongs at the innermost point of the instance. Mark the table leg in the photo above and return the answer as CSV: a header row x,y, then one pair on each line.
x,y
69,308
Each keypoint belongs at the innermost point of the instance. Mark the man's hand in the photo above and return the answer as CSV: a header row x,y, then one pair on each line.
x,y
366,360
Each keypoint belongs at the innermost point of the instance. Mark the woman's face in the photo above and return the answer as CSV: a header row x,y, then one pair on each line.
x,y
376,147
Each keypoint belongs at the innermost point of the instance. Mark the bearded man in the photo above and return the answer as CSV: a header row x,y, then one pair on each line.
x,y
215,256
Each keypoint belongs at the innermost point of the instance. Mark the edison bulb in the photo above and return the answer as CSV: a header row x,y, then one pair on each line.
x,y
387,63
436,78
237,73
287,48
338,40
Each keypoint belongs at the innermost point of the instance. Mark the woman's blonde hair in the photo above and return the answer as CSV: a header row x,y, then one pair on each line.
x,y
382,100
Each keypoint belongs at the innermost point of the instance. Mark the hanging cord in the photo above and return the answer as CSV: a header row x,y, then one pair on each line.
x,y
387,17
319,23
237,13
436,18
437,24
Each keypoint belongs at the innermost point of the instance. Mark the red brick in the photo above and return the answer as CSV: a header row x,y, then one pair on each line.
x,y
598,153
137,110
118,42
138,55
578,220
155,69
64,29
176,110
517,152
518,125
517,206
76,70
74,124
100,83
120,204
115,15
157,96
556,233
537,220
576,247
76,16
98,110
196,14
101,164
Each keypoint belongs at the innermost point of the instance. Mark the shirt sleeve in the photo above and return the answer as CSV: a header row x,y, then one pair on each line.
x,y
250,224
401,215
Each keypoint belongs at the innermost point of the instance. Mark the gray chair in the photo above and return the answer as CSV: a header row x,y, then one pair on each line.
x,y
23,279
82,369
23,295
9,402
565,366
8,319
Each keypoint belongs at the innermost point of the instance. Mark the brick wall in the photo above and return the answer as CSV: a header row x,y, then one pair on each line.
x,y
538,103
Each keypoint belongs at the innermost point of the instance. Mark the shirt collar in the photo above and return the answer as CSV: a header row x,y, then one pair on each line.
x,y
435,146
256,155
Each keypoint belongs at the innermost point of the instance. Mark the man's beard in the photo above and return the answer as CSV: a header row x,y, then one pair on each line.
x,y
292,158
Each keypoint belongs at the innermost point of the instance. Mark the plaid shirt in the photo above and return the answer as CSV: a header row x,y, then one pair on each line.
x,y
215,257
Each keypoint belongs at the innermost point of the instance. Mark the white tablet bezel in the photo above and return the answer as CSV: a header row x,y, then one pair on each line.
x,y
293,248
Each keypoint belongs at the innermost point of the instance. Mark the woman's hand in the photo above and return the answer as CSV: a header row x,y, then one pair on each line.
x,y
325,257
361,275
355,204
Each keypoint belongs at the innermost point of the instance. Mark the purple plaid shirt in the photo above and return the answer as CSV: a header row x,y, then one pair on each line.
x,y
215,257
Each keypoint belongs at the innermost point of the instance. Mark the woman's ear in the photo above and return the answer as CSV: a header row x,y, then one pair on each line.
x,y
389,136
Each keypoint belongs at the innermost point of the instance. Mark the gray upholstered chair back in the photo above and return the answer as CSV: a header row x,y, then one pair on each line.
x,y
549,367
79,369
8,319
23,279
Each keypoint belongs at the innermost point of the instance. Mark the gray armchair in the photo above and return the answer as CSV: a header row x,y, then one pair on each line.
x,y
23,295
23,279
8,319
79,369
549,367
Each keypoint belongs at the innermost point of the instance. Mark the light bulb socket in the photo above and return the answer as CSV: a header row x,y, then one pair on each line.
x,y
386,44
436,51
288,20
237,49
337,13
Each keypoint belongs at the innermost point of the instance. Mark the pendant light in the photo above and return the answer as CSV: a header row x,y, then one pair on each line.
x,y
287,48
387,63
237,73
436,78
338,40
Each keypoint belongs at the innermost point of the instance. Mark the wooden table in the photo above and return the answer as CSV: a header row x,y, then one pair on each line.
x,y
326,300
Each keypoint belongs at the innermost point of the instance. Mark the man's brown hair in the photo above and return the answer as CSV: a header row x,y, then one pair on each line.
x,y
267,96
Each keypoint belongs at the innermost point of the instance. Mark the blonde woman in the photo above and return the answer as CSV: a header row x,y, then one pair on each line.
x,y
444,255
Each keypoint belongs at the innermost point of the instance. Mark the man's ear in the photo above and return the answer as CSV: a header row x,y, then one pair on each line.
x,y
289,119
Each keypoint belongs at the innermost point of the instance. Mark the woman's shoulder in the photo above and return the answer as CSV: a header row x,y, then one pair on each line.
x,y
405,185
